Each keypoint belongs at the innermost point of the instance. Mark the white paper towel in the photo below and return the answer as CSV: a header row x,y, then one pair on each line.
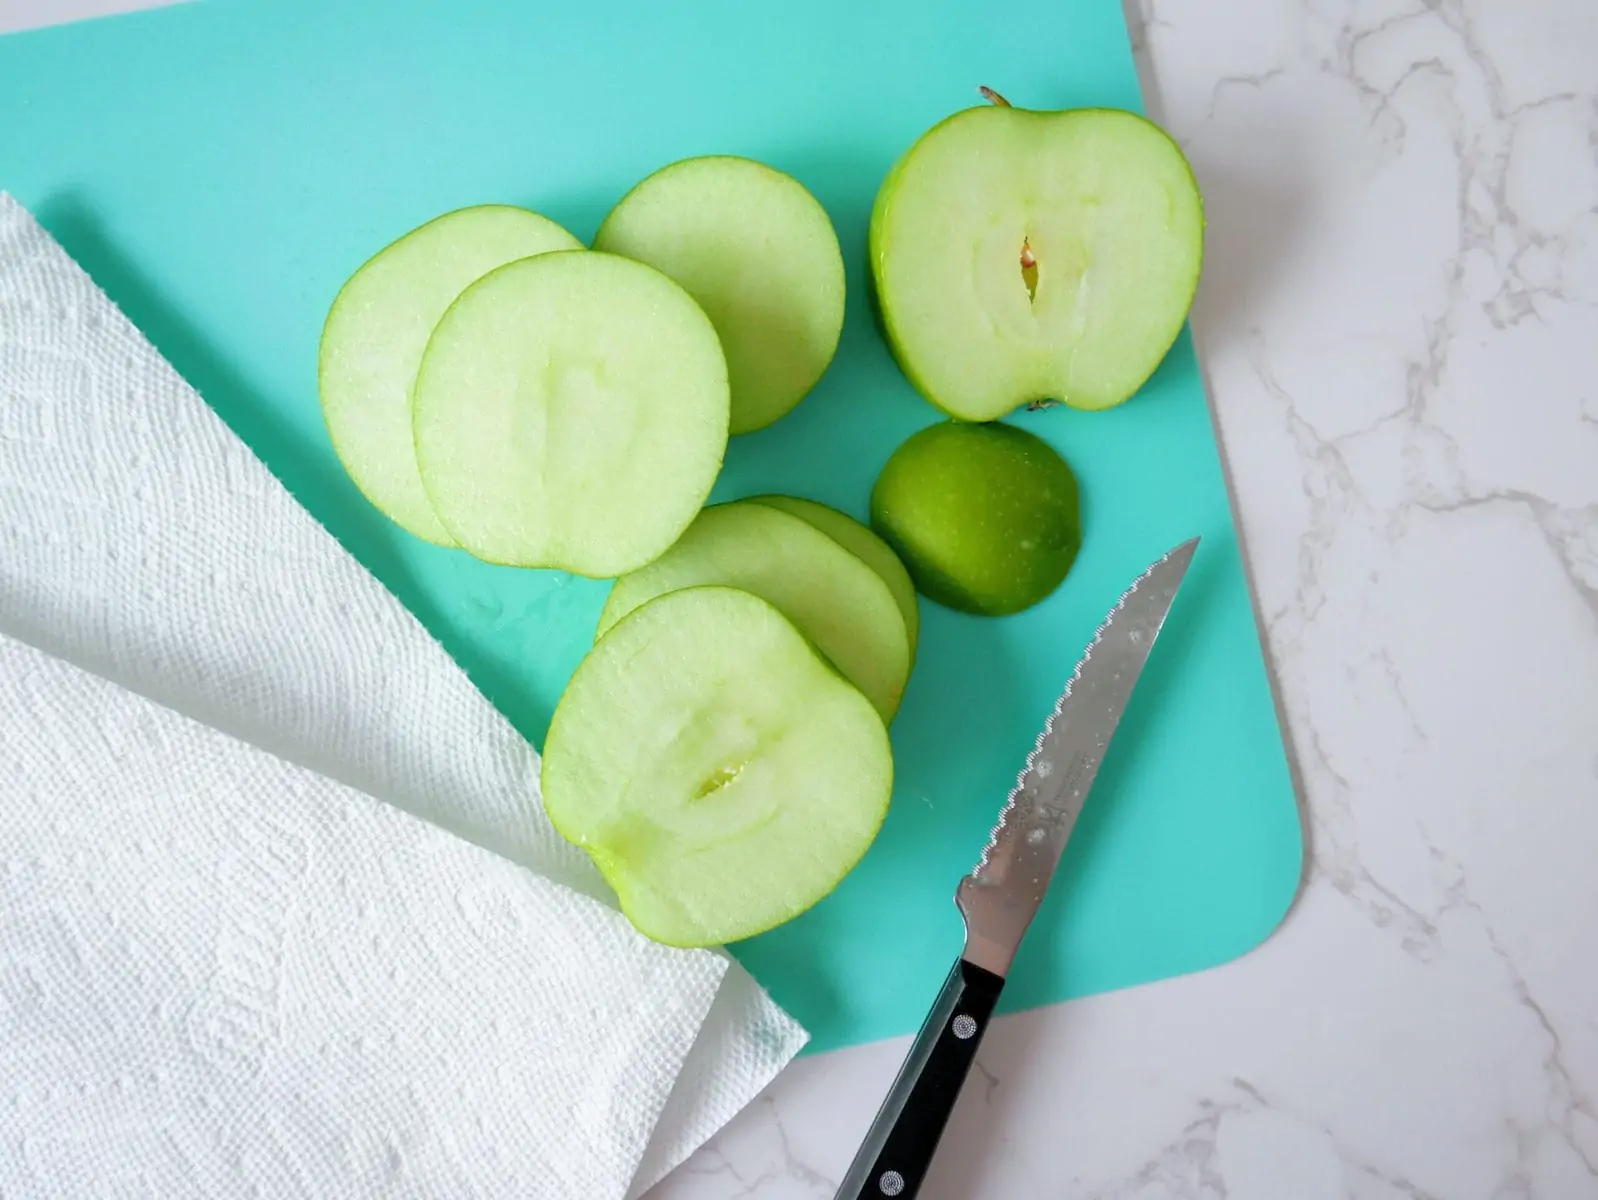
x,y
223,975
141,540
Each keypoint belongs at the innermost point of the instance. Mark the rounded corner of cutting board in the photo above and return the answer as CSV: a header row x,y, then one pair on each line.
x,y
1289,868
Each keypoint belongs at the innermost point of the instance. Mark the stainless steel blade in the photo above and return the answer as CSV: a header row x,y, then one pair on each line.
x,y
1002,894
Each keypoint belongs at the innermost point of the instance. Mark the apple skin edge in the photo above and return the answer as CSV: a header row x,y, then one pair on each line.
x,y
882,310
874,302
761,394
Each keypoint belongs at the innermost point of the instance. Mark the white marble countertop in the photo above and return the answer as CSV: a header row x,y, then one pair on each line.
x,y
1399,323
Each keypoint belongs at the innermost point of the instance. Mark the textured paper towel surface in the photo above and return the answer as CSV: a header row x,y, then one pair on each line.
x,y
222,975
142,540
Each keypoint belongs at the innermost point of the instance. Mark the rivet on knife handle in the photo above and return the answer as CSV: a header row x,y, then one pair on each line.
x,y
895,1157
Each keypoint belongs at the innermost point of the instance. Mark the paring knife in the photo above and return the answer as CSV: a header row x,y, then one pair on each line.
x,y
1001,895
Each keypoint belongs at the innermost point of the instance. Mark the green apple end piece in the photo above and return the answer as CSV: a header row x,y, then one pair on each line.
x,y
832,597
985,517
760,255
571,412
721,774
375,332
1022,256
865,545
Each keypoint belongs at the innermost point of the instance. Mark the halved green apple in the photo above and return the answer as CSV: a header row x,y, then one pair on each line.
x,y
985,516
721,774
759,254
1022,256
377,328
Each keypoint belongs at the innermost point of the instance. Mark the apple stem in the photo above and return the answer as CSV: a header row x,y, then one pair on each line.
x,y
993,97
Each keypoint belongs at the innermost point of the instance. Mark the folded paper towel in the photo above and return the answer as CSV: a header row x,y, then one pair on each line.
x,y
223,975
141,540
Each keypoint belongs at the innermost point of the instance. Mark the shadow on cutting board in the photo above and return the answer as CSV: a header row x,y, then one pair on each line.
x,y
331,499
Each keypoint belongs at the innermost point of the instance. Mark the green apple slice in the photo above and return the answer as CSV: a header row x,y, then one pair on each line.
x,y
716,768
1022,256
375,333
865,545
835,599
571,412
986,517
759,253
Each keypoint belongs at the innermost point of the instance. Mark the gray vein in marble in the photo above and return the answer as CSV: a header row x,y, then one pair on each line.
x,y
1565,1095
712,1162
986,1079
1560,529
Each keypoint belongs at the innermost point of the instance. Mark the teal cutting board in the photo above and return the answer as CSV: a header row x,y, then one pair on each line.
x,y
221,167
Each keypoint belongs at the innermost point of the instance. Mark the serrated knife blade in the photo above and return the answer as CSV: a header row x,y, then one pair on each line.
x,y
1001,895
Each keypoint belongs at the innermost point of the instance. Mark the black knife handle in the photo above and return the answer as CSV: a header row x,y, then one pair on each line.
x,y
893,1159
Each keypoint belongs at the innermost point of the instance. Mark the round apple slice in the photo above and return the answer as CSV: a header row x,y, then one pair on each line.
x,y
716,768
864,544
375,333
1024,256
571,412
759,253
835,599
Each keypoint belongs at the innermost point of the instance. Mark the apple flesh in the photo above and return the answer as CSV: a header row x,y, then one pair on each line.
x,y
720,773
571,412
759,254
1022,256
986,517
377,328
833,598
865,545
